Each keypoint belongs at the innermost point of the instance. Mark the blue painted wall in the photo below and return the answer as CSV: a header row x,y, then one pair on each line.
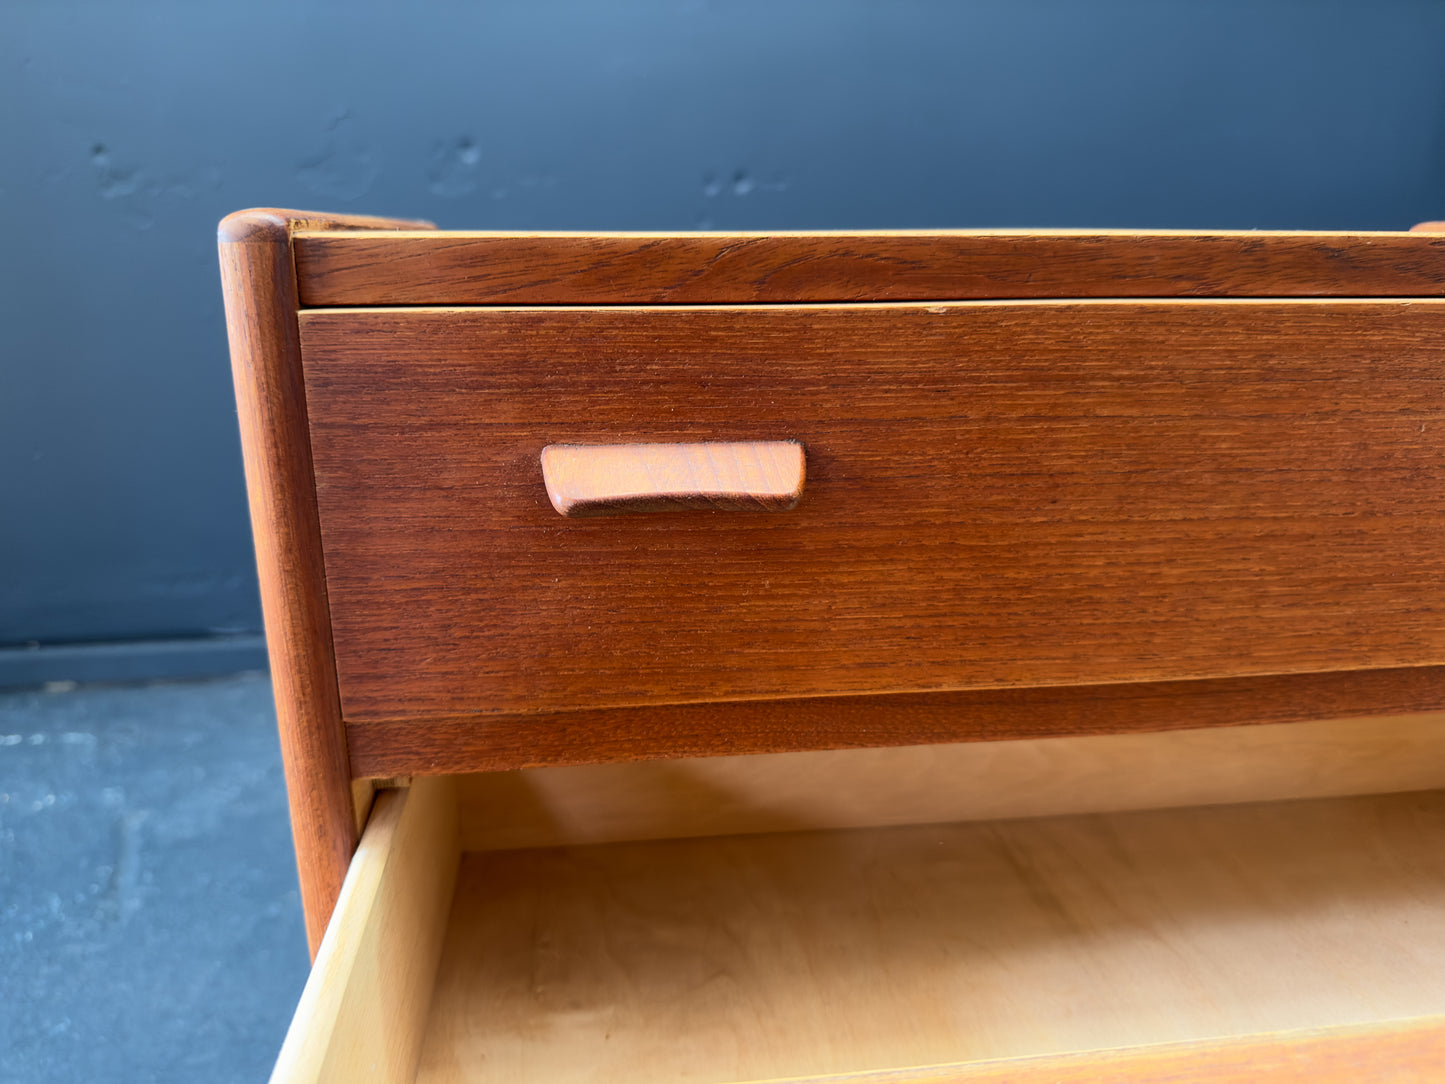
x,y
127,129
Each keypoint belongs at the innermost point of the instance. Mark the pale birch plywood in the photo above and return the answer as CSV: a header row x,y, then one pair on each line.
x,y
860,788
1410,1052
362,1014
799,954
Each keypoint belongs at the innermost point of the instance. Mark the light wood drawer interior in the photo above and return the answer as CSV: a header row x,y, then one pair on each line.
x,y
993,946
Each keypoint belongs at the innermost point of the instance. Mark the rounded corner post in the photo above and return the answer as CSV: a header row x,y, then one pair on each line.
x,y
257,224
259,281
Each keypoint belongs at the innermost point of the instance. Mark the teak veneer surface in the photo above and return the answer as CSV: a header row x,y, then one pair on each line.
x,y
611,735
259,280
999,495
341,268
801,954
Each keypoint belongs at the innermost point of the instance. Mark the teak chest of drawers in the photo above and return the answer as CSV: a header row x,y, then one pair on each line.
x,y
1081,719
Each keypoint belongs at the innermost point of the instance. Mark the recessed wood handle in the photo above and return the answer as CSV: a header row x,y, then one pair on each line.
x,y
603,479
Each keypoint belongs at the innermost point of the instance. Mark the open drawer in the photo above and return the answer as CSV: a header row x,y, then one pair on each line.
x,y
1298,940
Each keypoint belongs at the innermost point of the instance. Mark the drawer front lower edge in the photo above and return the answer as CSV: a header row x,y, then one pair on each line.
x,y
998,494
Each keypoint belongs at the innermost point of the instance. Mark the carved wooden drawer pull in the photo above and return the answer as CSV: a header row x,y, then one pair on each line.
x,y
604,479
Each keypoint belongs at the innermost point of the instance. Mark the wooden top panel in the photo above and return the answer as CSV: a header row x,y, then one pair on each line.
x,y
999,495
340,267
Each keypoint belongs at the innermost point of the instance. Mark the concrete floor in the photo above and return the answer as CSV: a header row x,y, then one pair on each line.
x,y
150,928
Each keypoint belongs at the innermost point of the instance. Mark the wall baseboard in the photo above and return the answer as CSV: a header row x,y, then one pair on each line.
x,y
131,660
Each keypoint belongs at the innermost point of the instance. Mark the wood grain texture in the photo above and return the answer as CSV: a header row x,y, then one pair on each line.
x,y
363,1012
266,224
797,954
934,784
999,495
733,476
339,268
504,742
258,277
1409,1052
363,793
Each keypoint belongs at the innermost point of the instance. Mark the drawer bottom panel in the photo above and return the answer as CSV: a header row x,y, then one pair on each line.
x,y
802,954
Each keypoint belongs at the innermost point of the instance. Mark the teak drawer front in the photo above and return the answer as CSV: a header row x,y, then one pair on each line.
x,y
998,494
